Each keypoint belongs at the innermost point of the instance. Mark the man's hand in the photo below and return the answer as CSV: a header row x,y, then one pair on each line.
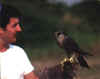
x,y
31,75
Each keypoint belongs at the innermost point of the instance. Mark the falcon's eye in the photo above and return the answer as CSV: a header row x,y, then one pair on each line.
x,y
58,34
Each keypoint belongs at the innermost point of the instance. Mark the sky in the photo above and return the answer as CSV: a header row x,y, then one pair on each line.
x,y
68,2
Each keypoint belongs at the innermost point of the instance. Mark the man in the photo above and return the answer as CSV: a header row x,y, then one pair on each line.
x,y
14,63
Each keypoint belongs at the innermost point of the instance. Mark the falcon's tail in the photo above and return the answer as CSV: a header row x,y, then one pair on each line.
x,y
83,53
83,62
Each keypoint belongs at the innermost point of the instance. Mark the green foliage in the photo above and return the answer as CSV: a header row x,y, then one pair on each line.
x,y
42,19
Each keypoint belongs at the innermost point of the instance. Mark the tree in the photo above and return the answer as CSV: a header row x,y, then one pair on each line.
x,y
89,10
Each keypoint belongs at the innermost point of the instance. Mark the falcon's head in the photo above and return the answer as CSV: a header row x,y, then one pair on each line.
x,y
59,37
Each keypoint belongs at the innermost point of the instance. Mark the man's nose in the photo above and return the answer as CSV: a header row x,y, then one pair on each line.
x,y
18,28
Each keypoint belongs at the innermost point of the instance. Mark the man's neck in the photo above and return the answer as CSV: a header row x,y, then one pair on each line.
x,y
3,50
3,46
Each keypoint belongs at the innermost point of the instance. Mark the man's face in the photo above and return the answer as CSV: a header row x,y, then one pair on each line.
x,y
11,29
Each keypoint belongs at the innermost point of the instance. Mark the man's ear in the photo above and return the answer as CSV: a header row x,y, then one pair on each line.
x,y
1,30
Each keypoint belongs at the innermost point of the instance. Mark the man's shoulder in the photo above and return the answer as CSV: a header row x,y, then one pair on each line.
x,y
16,47
17,50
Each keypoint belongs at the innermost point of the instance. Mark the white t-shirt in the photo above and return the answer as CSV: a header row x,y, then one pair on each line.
x,y
14,63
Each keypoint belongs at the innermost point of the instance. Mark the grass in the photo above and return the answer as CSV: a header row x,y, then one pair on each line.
x,y
85,40
43,52
50,49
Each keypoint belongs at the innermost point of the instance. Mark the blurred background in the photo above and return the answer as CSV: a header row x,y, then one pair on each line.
x,y
41,18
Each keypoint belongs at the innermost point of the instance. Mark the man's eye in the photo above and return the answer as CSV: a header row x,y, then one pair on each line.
x,y
14,25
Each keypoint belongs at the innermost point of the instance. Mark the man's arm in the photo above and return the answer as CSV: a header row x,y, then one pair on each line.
x,y
31,75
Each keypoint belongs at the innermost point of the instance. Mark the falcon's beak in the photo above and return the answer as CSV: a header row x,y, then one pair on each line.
x,y
56,33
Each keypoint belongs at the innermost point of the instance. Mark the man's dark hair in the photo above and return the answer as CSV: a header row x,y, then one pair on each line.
x,y
6,12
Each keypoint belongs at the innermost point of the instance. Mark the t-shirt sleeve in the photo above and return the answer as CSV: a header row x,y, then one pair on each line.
x,y
27,66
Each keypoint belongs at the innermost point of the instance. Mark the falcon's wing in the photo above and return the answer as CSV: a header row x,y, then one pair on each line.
x,y
70,44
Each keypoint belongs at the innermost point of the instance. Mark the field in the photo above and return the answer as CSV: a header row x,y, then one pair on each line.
x,y
54,59
93,73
